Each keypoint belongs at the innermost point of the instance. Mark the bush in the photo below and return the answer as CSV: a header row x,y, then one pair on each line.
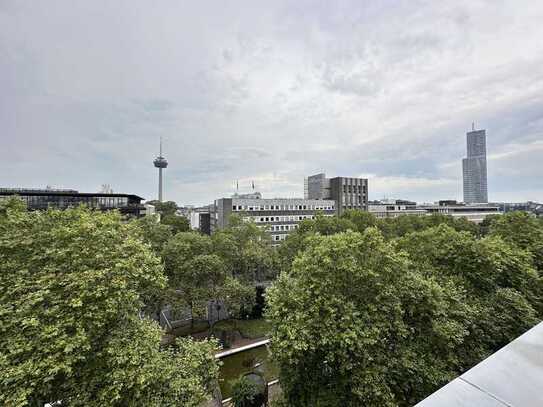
x,y
247,393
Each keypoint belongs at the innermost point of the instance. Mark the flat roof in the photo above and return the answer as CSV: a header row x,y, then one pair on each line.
x,y
29,192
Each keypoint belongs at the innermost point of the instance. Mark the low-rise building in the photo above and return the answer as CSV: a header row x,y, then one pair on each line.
x,y
41,199
472,212
279,216
535,208
394,208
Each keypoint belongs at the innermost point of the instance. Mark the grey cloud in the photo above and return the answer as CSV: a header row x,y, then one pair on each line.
x,y
268,92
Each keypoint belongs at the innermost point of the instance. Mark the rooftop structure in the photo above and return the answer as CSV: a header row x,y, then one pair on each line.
x,y
41,199
160,162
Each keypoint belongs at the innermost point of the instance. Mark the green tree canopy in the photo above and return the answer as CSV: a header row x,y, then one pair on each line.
x,y
354,325
153,232
200,275
73,283
164,208
177,223
247,248
321,225
523,230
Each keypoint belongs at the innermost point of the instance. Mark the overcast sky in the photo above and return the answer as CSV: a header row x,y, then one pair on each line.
x,y
270,91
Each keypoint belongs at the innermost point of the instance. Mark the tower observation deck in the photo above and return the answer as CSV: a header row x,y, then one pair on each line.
x,y
160,162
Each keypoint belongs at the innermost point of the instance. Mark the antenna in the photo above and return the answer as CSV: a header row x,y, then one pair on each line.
x,y
472,126
160,155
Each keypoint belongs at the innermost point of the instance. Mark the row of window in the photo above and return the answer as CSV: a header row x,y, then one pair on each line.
x,y
283,228
353,199
62,201
356,189
282,207
286,218
278,238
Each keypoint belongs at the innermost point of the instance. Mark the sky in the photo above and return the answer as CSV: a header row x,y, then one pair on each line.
x,y
270,92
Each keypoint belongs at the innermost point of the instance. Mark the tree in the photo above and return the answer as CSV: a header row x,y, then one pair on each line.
x,y
135,371
73,283
247,393
250,252
503,289
176,223
164,208
321,225
360,219
199,275
522,230
354,325
481,266
153,232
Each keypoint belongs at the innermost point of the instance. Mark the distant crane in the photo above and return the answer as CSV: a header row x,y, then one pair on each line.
x,y
160,163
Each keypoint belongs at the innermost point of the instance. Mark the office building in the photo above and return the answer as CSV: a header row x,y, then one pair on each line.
x,y
41,199
474,168
473,212
534,208
394,208
280,216
346,192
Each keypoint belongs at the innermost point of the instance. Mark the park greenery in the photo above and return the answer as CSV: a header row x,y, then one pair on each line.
x,y
73,284
361,311
384,312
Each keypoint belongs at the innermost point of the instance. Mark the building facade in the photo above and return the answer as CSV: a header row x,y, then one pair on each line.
x,y
474,169
41,199
279,216
346,192
473,212
393,209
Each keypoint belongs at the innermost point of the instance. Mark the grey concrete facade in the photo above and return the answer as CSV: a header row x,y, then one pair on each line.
x,y
474,170
279,216
347,192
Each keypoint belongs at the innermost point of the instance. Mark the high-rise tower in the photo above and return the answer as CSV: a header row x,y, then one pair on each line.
x,y
160,163
474,167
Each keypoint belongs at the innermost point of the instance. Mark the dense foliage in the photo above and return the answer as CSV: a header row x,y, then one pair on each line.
x,y
72,285
366,311
224,267
384,312
247,393
168,216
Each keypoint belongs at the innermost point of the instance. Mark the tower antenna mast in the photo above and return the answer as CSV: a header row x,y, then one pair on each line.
x,y
160,163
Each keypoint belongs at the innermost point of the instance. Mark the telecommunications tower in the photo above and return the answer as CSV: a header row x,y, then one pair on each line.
x,y
160,163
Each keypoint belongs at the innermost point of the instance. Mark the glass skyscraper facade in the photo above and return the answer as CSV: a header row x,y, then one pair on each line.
x,y
474,168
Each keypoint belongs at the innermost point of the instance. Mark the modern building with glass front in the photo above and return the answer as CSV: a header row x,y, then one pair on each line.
x,y
474,168
41,199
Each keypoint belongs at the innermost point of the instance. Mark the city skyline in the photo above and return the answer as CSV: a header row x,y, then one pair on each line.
x,y
270,94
